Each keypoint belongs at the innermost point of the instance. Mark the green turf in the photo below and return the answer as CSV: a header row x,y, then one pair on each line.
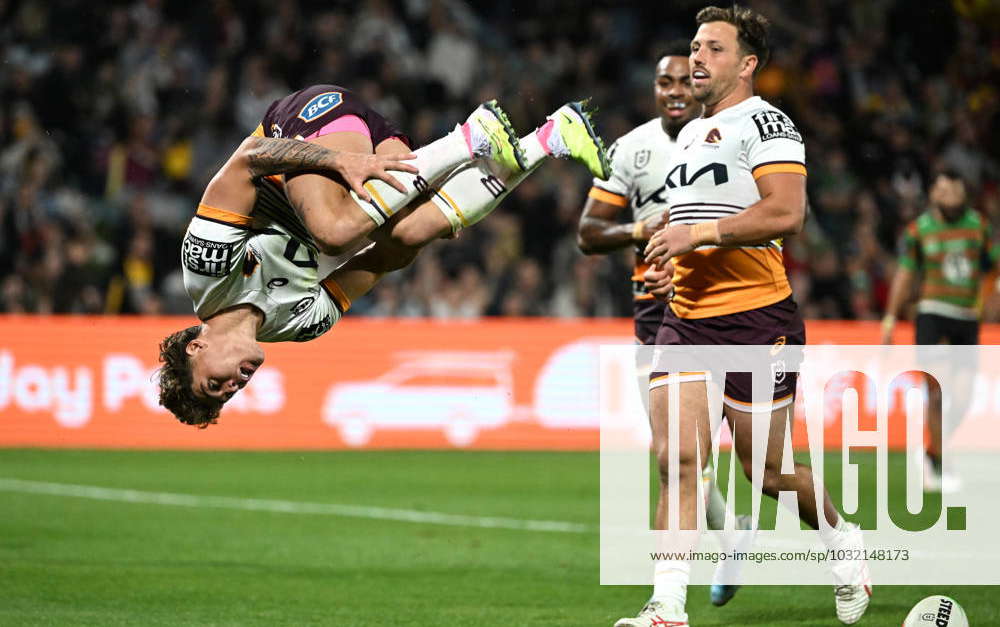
x,y
75,561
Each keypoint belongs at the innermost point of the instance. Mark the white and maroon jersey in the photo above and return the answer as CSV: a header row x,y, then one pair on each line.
x,y
639,162
713,174
229,259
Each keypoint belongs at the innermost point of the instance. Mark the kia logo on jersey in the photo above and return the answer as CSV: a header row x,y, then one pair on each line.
x,y
720,174
320,105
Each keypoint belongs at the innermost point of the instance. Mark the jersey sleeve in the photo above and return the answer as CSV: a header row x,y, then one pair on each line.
x,y
910,256
773,144
212,256
991,253
617,189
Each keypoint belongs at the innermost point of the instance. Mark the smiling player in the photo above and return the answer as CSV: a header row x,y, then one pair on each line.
x,y
735,188
639,165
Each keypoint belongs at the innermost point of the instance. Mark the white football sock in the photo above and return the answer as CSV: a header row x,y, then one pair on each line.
x,y
715,505
475,189
670,582
433,161
834,537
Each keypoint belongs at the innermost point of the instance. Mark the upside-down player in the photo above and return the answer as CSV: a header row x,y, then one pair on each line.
x,y
638,168
736,187
271,259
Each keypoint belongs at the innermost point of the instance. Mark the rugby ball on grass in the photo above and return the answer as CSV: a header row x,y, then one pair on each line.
x,y
937,611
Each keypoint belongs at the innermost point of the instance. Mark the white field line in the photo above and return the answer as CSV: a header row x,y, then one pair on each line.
x,y
288,507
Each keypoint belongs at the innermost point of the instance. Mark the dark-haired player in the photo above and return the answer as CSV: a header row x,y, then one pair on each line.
x,y
271,259
638,170
735,188
950,247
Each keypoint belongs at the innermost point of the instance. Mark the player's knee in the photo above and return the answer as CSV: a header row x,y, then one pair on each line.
x,y
414,234
401,257
773,482
335,237
687,464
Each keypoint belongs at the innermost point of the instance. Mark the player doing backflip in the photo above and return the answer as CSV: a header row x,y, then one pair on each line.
x,y
272,258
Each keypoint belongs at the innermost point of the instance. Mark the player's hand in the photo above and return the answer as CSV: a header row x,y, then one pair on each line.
x,y
356,168
669,242
659,281
888,326
651,226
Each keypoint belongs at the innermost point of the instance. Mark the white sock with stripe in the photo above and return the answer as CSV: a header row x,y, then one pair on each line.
x,y
433,161
670,582
476,189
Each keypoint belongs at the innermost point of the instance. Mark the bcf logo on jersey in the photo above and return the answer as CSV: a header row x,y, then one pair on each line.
x,y
320,105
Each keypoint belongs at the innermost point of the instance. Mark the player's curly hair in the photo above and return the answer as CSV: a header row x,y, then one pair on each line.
x,y
751,29
175,381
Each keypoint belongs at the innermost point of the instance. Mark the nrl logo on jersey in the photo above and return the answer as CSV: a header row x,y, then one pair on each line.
x,y
320,105
642,159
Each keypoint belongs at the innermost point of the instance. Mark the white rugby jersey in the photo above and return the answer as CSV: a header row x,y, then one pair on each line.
x,y
713,174
638,163
229,259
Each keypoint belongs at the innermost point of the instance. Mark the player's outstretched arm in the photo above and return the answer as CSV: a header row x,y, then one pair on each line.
x,y
780,212
899,294
600,232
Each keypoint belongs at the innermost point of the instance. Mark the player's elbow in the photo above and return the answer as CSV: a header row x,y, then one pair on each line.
x,y
241,158
793,223
790,220
585,243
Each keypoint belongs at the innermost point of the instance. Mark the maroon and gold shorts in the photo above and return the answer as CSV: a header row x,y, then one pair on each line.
x,y
777,324
648,315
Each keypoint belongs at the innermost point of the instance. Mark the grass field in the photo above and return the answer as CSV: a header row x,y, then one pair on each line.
x,y
114,558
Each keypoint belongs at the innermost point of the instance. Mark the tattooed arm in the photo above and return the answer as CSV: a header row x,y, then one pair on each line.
x,y
269,155
232,187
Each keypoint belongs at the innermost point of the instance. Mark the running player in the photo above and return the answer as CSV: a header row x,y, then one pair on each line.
x,y
639,160
951,247
735,188
638,166
258,258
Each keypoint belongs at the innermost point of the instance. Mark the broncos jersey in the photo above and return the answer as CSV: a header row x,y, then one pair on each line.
x,y
638,163
713,174
230,259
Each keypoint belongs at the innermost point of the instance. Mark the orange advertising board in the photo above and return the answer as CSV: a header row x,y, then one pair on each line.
x,y
491,384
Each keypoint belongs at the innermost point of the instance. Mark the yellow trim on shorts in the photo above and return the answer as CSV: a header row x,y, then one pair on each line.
x,y
778,403
337,294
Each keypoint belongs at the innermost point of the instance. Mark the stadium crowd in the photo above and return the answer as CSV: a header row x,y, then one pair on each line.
x,y
107,142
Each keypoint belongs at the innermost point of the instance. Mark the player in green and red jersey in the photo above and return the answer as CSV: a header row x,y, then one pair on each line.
x,y
950,247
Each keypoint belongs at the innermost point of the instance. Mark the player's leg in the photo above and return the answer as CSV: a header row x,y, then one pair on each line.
x,y
472,191
688,451
852,583
799,481
931,331
337,218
